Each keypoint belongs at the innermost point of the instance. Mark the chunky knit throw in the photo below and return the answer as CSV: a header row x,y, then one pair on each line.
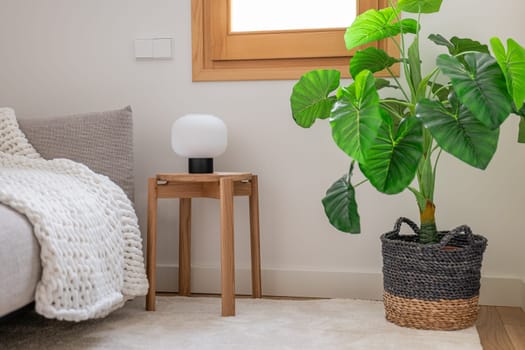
x,y
12,139
91,248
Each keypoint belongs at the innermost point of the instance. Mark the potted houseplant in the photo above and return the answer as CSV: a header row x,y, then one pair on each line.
x,y
431,279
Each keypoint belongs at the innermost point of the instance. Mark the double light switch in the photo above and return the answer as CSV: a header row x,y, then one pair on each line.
x,y
153,48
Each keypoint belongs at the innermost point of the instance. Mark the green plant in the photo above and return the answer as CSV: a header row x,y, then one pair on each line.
x,y
395,140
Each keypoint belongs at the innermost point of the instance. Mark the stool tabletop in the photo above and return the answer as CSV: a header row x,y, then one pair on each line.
x,y
214,177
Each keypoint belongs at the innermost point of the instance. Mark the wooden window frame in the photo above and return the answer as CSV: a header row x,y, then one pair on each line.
x,y
221,55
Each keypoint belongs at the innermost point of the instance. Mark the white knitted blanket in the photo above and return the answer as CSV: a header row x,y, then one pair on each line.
x,y
91,248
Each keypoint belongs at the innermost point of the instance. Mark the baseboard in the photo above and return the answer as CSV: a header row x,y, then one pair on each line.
x,y
523,295
325,284
499,291
276,282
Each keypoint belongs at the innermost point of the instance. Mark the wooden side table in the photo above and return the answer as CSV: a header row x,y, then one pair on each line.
x,y
222,186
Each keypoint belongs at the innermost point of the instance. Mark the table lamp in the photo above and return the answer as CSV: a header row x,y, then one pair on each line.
x,y
199,137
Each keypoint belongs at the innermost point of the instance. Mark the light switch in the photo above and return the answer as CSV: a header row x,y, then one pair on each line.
x,y
143,48
162,47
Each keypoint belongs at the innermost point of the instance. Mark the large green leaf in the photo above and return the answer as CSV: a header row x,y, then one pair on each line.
x,y
355,117
419,6
409,25
384,83
414,64
439,90
372,59
465,44
395,107
439,39
459,45
340,206
310,96
393,159
479,85
458,132
512,63
373,25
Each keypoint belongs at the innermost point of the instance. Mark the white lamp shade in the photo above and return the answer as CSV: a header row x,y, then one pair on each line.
x,y
199,136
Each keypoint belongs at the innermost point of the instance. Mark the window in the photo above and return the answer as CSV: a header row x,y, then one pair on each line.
x,y
225,48
259,15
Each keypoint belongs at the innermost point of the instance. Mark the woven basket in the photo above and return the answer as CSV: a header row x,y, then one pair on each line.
x,y
432,286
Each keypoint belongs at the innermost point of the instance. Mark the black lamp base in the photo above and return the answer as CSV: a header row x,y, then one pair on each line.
x,y
200,165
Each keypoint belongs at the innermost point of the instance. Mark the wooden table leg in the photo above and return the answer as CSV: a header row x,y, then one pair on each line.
x,y
254,239
185,246
227,247
152,243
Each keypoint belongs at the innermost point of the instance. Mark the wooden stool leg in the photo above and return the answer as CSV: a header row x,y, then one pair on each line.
x,y
227,248
184,246
254,239
152,243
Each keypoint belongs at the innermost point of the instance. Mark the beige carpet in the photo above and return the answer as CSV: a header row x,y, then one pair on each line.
x,y
194,323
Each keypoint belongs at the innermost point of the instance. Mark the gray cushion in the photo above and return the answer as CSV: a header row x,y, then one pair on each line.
x,y
101,140
19,261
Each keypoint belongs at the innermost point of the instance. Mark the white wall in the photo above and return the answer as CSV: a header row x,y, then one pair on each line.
x,y
68,56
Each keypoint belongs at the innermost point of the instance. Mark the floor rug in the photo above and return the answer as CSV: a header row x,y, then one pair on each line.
x,y
195,323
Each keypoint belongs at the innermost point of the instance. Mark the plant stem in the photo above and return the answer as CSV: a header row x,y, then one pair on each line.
x,y
351,169
402,52
441,88
426,176
429,232
350,172
408,104
434,74
398,83
436,162
360,183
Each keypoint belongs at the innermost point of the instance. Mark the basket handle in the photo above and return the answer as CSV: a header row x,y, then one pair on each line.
x,y
403,220
455,232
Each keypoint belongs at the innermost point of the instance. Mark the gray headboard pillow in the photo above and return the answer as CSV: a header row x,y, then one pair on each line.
x,y
101,140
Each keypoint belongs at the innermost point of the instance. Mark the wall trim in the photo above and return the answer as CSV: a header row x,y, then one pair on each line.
x,y
497,291
523,295
501,291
